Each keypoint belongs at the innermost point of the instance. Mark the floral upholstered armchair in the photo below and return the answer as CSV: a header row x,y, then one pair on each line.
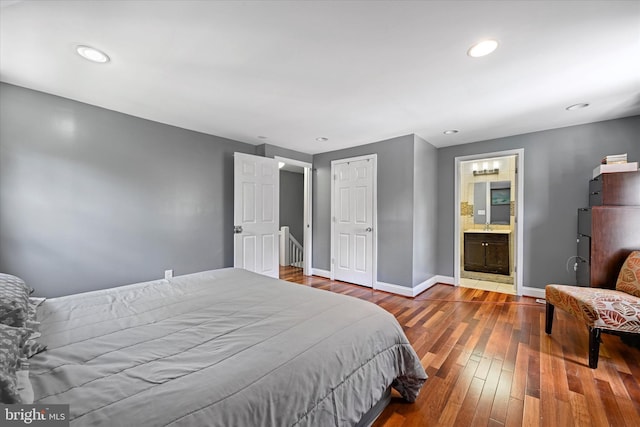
x,y
603,310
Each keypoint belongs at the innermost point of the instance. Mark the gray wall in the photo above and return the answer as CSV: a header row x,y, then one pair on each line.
x,y
425,195
292,202
92,198
395,207
558,165
268,150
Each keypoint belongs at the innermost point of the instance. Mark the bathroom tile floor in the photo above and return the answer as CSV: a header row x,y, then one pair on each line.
x,y
487,286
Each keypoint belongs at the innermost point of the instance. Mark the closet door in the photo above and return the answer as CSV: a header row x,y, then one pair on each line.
x,y
353,221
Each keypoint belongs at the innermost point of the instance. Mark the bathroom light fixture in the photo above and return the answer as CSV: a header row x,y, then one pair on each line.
x,y
482,48
485,169
280,165
450,131
322,139
577,106
92,54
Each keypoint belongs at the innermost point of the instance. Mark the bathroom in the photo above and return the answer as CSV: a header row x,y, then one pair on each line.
x,y
488,223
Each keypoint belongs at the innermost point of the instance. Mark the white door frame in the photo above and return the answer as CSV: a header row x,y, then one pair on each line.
x,y
307,236
519,264
374,243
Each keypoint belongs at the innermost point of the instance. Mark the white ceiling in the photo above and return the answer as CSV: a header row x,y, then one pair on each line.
x,y
352,71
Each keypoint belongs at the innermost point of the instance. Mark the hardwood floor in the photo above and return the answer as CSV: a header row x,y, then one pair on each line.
x,y
491,364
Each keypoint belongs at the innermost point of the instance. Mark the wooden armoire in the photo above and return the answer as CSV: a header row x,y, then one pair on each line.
x,y
609,229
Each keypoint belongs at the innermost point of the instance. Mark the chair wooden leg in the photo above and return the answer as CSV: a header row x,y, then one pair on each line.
x,y
594,347
548,324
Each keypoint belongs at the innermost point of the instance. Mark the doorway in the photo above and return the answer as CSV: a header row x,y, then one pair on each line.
x,y
300,229
488,225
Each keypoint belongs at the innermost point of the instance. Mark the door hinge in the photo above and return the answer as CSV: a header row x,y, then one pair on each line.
x,y
335,176
333,260
333,219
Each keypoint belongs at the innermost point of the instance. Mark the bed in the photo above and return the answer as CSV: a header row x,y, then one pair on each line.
x,y
220,348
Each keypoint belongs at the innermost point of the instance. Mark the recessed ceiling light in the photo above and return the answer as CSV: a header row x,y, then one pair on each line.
x,y
482,48
321,139
262,137
92,54
577,106
451,131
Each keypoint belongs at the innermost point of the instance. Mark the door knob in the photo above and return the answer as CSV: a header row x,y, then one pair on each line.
x,y
237,229
369,230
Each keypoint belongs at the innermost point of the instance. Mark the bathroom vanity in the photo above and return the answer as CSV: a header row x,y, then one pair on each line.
x,y
487,251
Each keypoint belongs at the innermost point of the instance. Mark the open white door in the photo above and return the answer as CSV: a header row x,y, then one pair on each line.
x,y
353,220
255,214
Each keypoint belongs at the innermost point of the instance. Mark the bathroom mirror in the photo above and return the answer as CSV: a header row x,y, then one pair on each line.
x,y
500,197
492,202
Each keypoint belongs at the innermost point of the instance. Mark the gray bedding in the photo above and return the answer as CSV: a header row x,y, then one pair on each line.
x,y
220,348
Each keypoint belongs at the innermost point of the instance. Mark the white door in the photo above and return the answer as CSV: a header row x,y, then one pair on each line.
x,y
255,214
353,221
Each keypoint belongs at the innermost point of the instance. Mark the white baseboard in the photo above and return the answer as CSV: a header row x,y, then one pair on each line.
x,y
320,272
416,290
447,280
421,287
533,292
394,289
